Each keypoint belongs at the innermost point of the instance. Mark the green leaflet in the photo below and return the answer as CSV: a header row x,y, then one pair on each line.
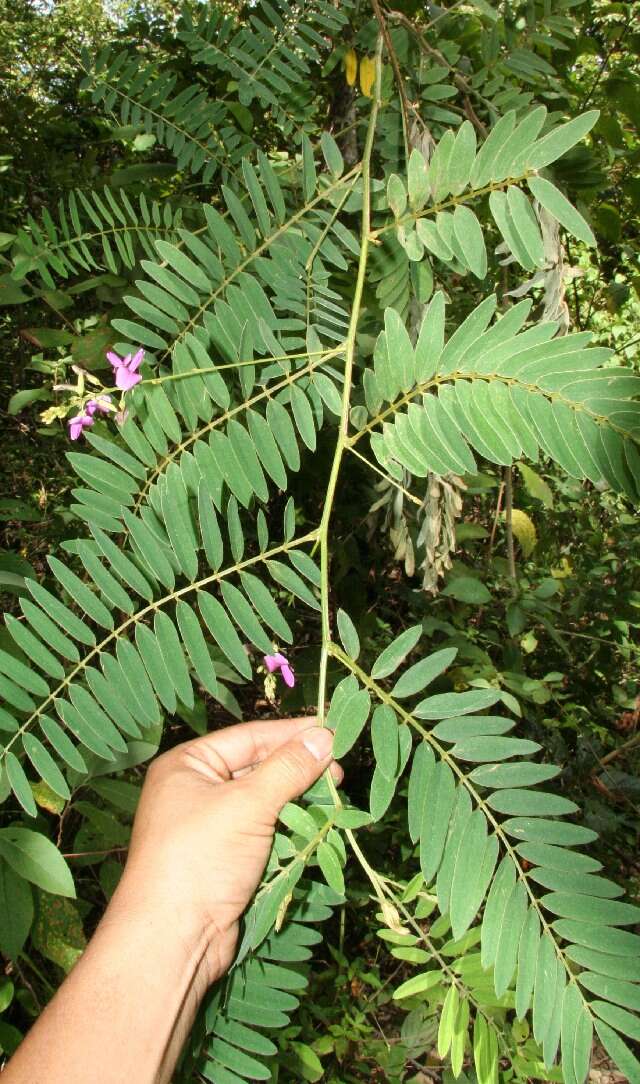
x,y
236,1060
48,631
495,910
621,993
485,1051
19,784
298,820
265,606
576,1036
435,822
177,518
543,1004
396,652
385,741
460,825
528,948
418,984
244,616
619,1051
151,655
558,205
535,803
506,954
330,865
417,180
22,675
62,744
474,870
80,593
16,908
591,909
223,632
348,634
602,938
32,856
450,705
616,967
45,765
471,240
196,647
567,880
557,142
471,726
290,580
423,673
448,1019
396,195
545,831
522,774
618,1018
348,713
481,749
419,787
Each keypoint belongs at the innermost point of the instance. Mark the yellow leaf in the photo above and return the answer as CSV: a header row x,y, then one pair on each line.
x,y
58,932
351,66
47,798
524,530
367,75
564,569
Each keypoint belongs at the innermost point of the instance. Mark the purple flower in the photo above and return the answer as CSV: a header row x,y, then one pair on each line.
x,y
77,424
278,662
86,419
102,403
126,369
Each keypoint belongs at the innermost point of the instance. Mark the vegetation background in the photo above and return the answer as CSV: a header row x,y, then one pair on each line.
x,y
551,612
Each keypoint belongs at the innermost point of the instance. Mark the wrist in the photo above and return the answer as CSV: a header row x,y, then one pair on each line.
x,y
173,928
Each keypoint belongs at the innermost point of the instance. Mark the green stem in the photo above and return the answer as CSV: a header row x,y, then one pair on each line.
x,y
453,201
323,530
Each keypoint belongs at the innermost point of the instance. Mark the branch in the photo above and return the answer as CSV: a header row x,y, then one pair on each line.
x,y
460,82
404,102
508,516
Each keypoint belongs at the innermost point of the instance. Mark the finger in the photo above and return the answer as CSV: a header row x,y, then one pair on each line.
x,y
292,768
245,744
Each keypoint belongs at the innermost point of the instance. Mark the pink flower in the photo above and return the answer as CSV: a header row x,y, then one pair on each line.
x,y
278,662
86,419
126,369
102,403
77,424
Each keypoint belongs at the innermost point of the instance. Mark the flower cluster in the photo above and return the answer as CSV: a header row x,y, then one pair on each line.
x,y
126,377
279,662
86,419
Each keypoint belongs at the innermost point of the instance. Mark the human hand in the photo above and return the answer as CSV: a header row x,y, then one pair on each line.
x,y
204,826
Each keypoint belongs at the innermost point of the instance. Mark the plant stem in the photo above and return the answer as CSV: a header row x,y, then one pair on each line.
x,y
508,516
387,477
402,94
350,348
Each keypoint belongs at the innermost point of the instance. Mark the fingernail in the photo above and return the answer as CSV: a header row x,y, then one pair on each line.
x,y
318,741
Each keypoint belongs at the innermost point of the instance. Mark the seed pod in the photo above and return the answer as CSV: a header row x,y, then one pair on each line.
x,y
367,75
351,66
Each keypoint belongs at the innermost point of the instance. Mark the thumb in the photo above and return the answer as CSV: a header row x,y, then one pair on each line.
x,y
293,768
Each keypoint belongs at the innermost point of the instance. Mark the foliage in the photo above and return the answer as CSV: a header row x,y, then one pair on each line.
x,y
339,344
